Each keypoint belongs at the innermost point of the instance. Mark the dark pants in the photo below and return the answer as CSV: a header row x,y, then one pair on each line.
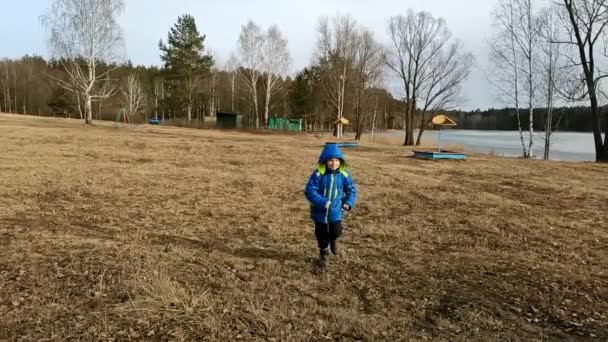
x,y
327,232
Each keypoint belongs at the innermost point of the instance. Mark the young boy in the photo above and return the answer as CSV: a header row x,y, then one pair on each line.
x,y
330,189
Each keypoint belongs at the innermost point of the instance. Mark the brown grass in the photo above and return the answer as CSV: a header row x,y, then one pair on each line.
x,y
159,233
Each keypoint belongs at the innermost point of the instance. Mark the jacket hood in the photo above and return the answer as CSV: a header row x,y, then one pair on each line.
x,y
331,151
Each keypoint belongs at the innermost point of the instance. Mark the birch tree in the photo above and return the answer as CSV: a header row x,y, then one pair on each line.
x,y
87,31
133,94
275,62
232,67
335,53
552,56
157,91
250,47
213,103
6,84
513,56
367,72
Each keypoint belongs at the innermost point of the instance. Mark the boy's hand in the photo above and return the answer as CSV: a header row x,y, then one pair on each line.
x,y
346,207
327,205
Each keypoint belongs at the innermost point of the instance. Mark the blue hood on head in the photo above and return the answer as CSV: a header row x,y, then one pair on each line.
x,y
331,151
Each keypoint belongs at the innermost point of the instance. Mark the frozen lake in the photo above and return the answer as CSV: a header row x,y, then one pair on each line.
x,y
566,146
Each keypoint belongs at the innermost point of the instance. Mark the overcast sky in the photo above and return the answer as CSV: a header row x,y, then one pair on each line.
x,y
146,21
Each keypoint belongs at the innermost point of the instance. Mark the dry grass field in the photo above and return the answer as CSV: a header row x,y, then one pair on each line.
x,y
157,233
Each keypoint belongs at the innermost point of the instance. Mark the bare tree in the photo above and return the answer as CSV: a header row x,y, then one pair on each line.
x,y
250,47
83,33
133,94
335,53
418,40
108,87
158,93
585,22
367,72
449,69
15,104
513,57
551,61
232,67
213,102
6,85
275,61
9,82
27,78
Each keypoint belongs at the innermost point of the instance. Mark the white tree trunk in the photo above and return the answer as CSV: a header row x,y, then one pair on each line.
x,y
374,119
516,85
531,135
15,89
4,92
342,96
269,86
189,108
531,85
232,91
24,97
255,104
162,98
89,109
548,125
80,112
156,100
8,91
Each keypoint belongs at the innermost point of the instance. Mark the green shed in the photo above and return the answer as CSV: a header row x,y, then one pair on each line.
x,y
229,120
285,124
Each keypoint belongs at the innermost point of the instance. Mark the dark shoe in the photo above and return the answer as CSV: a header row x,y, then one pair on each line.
x,y
324,260
333,245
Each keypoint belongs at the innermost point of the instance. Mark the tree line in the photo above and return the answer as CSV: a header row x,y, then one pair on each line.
x,y
538,56
88,78
565,119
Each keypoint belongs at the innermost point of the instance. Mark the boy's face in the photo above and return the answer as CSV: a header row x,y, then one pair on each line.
x,y
333,163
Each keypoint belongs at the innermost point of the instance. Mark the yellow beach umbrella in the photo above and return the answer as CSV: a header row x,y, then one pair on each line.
x,y
442,120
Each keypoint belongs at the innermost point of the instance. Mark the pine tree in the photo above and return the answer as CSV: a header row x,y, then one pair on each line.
x,y
300,94
185,60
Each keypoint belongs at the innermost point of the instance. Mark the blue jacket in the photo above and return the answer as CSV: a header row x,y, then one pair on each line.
x,y
325,185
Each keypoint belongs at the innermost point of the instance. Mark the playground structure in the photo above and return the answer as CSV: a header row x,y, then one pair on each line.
x,y
126,117
344,143
440,121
